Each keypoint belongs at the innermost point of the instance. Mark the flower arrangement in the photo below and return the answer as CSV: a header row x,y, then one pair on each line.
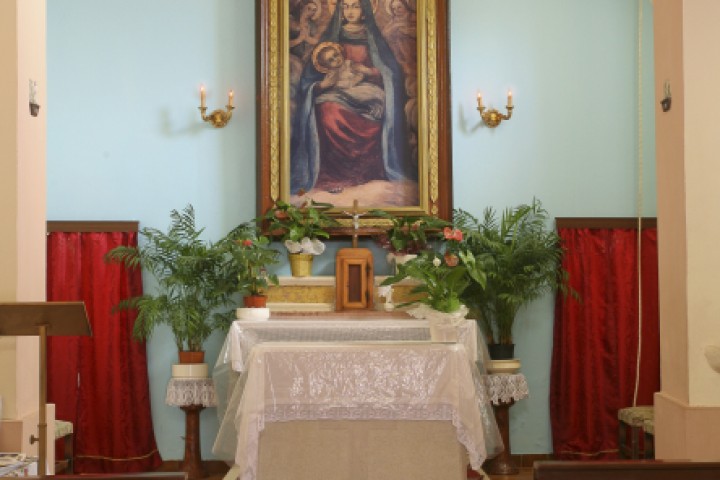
x,y
441,284
249,255
407,234
301,227
453,240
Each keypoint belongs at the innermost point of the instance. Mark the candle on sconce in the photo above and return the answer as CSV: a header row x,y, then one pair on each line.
x,y
231,95
202,96
510,100
479,100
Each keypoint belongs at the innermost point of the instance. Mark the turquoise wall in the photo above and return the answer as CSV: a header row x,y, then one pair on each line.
x,y
125,141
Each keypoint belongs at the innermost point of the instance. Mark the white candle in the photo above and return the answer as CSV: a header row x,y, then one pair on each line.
x,y
231,94
202,96
510,103
479,100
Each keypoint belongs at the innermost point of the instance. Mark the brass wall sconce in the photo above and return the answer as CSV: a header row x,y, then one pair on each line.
x,y
217,118
492,117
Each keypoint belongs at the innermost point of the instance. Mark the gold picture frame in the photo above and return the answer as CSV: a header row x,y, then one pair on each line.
x,y
432,130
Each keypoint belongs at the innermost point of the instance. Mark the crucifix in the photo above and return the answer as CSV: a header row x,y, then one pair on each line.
x,y
354,279
355,214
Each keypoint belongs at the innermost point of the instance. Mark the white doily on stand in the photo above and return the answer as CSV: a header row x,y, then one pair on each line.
x,y
182,392
506,387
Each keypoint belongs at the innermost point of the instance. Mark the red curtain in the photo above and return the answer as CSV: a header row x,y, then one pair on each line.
x,y
100,383
596,339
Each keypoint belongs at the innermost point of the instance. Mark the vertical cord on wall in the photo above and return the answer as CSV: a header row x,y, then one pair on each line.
x,y
639,205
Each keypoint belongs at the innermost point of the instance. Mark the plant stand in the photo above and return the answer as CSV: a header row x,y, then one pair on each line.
x,y
192,395
192,460
504,389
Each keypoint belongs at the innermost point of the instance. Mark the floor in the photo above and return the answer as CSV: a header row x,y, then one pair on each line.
x,y
525,474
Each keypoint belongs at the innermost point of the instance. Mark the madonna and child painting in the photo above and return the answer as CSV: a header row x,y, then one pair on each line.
x,y
353,102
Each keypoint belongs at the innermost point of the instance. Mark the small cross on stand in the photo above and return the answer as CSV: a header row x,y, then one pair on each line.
x,y
355,214
354,280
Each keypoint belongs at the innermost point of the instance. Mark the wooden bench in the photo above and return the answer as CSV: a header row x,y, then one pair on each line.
x,y
625,470
122,476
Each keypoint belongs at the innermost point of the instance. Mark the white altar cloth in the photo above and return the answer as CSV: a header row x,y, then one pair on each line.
x,y
357,381
245,334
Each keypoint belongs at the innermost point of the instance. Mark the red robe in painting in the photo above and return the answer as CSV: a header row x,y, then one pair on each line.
x,y
350,143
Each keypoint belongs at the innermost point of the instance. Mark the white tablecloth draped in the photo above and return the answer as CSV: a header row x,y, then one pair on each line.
x,y
358,381
245,334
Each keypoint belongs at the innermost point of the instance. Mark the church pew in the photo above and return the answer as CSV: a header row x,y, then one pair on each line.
x,y
625,470
122,476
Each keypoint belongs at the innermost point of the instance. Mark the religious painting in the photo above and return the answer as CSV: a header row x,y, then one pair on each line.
x,y
354,105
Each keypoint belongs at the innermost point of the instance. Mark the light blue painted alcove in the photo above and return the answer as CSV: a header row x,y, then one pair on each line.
x,y
125,141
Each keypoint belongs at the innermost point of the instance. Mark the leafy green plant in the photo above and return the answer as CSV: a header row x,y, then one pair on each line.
x,y
295,224
407,234
249,255
441,285
520,257
191,282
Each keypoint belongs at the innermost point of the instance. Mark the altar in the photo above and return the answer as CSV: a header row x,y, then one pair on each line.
x,y
351,392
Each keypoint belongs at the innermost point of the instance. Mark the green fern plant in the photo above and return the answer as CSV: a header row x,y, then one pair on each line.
x,y
520,257
191,283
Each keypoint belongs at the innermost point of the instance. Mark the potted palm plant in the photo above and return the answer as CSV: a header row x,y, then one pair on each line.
x,y
191,284
520,257
300,229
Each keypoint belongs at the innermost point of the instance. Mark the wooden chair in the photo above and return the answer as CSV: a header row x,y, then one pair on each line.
x,y
625,470
630,425
649,433
64,431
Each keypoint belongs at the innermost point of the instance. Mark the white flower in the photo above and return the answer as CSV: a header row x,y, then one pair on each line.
x,y
318,246
313,247
306,244
436,261
293,247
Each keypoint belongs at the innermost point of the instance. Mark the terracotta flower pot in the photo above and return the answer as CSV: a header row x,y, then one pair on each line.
x,y
255,301
451,259
185,356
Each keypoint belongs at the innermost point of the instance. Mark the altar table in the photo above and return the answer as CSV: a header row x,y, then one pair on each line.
x,y
373,381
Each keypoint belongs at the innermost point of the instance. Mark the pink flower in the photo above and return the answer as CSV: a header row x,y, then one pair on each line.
x,y
452,234
247,242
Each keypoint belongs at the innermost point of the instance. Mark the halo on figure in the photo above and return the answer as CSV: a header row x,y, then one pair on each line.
x,y
333,3
320,48
409,5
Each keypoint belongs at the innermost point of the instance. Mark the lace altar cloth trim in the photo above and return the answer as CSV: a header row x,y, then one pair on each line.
x,y
245,334
183,392
371,381
504,387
